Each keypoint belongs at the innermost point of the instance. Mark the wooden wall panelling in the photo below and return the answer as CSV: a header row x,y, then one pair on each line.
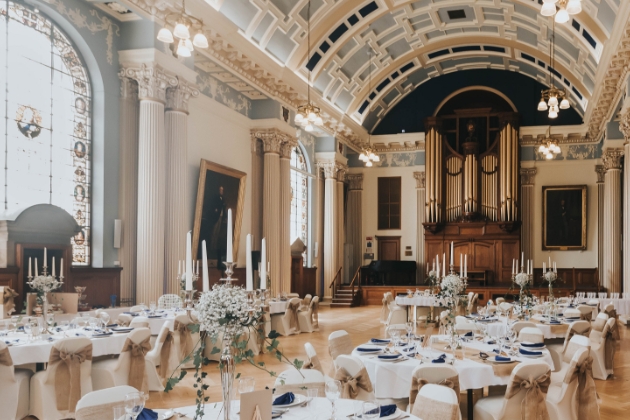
x,y
100,284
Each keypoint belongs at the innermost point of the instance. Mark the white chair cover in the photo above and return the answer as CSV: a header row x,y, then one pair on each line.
x,y
313,361
603,350
14,386
533,335
99,405
292,380
288,323
519,325
436,402
561,396
387,298
305,317
354,378
432,374
339,342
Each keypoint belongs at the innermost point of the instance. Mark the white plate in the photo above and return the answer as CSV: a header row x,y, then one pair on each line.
x,y
493,360
388,359
299,399
532,348
373,349
531,356
379,344
122,330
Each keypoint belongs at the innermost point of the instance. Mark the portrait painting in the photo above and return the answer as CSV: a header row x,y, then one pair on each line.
x,y
220,188
564,218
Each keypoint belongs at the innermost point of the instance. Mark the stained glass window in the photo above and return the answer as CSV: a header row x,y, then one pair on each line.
x,y
45,101
299,197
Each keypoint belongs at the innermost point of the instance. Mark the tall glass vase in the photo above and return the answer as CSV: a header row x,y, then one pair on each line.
x,y
227,374
550,290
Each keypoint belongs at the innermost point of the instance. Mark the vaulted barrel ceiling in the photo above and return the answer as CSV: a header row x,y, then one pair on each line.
x,y
415,41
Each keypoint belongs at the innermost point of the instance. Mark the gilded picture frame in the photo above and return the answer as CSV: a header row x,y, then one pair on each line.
x,y
564,217
220,188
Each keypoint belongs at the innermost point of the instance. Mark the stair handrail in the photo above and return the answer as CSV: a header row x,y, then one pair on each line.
x,y
356,275
333,284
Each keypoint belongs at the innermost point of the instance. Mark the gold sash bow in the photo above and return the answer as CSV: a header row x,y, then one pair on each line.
x,y
615,330
351,384
586,392
292,309
314,363
418,383
586,316
261,333
430,409
185,339
68,375
385,310
137,370
5,357
609,349
533,406
315,315
7,300
165,354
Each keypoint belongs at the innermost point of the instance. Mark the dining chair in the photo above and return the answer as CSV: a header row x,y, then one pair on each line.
x,y
572,313
506,308
306,302
43,402
288,323
586,312
533,335
109,373
465,327
499,301
313,362
292,380
293,295
437,402
599,323
123,320
305,318
339,343
14,386
561,396
350,370
139,322
99,405
170,301
387,298
576,328
576,343
603,350
472,303
491,309
509,406
432,374
397,314
519,325
138,308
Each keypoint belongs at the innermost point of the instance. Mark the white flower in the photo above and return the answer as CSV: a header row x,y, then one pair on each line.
x,y
224,308
432,273
452,285
550,276
522,280
44,284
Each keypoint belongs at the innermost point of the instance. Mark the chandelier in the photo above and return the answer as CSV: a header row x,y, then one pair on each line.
x,y
561,9
308,114
367,153
183,25
553,99
549,147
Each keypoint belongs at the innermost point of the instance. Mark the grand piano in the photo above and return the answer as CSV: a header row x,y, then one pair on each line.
x,y
390,273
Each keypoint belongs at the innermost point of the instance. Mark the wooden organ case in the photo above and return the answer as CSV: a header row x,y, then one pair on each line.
x,y
472,186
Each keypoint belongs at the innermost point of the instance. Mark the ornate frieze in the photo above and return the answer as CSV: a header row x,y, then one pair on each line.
x,y
528,175
355,181
421,179
152,81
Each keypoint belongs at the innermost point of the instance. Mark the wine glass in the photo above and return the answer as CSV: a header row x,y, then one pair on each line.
x,y
27,328
105,318
333,391
152,307
409,328
134,404
93,322
14,322
371,410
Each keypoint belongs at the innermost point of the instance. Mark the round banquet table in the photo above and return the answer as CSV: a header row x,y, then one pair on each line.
x,y
421,300
499,328
155,322
25,352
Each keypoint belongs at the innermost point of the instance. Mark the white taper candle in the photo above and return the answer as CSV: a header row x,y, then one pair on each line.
x,y
204,267
228,256
189,263
249,270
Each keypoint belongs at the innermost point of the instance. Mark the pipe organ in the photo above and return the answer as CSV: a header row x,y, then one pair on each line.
x,y
472,186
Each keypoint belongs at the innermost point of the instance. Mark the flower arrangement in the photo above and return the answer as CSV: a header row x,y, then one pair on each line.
x,y
522,280
42,285
432,279
550,276
450,288
225,309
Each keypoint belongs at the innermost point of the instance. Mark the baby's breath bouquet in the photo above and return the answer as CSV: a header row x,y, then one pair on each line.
x,y
42,285
450,288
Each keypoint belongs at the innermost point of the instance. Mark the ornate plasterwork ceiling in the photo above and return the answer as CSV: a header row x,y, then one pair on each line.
x,y
418,40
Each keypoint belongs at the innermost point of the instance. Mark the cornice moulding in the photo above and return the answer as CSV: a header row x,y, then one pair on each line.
x,y
152,55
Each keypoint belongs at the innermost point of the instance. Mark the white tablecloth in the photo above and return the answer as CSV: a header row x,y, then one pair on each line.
x,y
278,307
499,328
393,380
39,351
319,409
155,324
622,306
416,301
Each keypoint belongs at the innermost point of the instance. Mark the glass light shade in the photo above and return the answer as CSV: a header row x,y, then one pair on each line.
x,y
362,156
556,149
553,114
562,16
181,31
368,163
376,158
553,101
311,116
165,35
308,128
574,7
542,105
565,104
304,122
189,45
182,51
298,118
200,41
554,109
548,9
542,149
319,121
549,156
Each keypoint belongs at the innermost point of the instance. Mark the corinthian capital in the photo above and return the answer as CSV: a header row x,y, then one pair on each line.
x,y
624,125
612,159
287,147
329,167
152,81
420,179
177,97
355,181
128,87
601,172
272,139
527,176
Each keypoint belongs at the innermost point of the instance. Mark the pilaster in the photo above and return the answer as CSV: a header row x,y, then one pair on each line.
x,y
612,161
421,195
527,211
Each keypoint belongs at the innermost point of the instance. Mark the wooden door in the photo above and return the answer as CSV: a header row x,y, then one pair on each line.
x,y
388,248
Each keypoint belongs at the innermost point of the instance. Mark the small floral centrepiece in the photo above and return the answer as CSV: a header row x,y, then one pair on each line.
x,y
451,287
42,285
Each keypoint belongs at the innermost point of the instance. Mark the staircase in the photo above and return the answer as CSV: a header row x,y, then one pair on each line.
x,y
342,297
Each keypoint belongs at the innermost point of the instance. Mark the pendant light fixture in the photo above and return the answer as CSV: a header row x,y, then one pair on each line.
x,y
561,9
549,147
367,153
309,115
553,99
183,25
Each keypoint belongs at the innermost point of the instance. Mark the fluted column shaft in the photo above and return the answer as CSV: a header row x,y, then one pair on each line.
x,y
271,212
257,178
354,220
285,217
341,237
612,221
330,226
321,199
128,187
624,127
421,197
176,127
527,213
601,172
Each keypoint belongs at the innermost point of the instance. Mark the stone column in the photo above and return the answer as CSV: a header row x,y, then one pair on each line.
x,y
354,220
601,172
285,216
341,222
128,187
420,219
330,225
257,178
624,126
612,220
321,209
152,84
527,211
176,127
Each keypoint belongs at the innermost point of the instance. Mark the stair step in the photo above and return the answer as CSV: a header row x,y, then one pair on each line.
x,y
339,305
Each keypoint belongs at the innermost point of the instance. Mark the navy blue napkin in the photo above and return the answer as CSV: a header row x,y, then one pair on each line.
x,y
532,345
112,325
502,359
366,349
147,414
571,306
386,410
284,399
379,340
491,342
554,321
131,313
469,334
440,359
408,349
529,353
388,356
102,334
155,316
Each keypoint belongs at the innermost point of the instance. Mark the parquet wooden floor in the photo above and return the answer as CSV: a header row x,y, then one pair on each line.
x,y
363,323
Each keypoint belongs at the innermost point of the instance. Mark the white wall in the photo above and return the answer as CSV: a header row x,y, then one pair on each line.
x,y
558,173
408,210
221,135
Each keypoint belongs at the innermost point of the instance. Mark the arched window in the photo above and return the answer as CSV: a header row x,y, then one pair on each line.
x,y
299,197
45,102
